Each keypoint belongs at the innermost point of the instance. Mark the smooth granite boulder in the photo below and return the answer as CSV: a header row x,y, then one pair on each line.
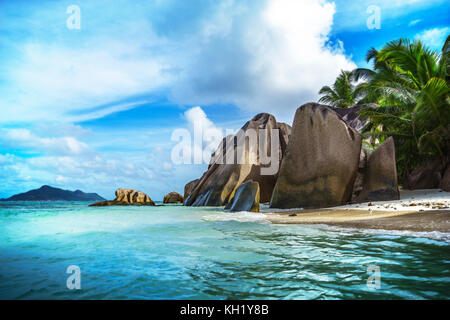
x,y
321,161
127,197
173,197
219,183
246,198
380,176
189,187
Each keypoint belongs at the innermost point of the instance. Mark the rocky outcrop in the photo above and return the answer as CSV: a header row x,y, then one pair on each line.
x,y
127,197
173,197
380,175
189,187
321,161
227,171
426,177
352,117
246,198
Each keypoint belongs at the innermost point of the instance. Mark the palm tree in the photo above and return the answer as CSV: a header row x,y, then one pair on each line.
x,y
344,93
409,82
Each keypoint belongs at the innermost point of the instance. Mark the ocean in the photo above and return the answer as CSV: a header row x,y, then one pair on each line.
x,y
176,252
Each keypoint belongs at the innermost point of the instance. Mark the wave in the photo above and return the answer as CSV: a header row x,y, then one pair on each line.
x,y
241,216
435,235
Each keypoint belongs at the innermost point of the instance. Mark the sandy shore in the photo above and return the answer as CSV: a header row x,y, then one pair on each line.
x,y
419,210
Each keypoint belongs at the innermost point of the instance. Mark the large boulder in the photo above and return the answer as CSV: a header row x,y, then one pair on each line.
x,y
127,197
321,161
380,176
246,198
173,197
352,117
226,172
189,187
426,177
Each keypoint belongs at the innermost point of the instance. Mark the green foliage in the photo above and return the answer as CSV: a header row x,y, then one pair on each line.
x,y
410,84
343,93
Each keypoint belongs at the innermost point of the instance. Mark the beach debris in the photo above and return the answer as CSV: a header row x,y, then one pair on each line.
x,y
293,215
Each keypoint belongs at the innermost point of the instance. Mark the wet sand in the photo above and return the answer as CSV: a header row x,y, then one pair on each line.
x,y
425,221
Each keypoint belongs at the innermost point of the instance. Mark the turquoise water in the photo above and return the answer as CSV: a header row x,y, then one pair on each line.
x,y
176,252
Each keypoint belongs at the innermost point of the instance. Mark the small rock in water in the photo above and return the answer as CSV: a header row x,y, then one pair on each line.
x,y
293,215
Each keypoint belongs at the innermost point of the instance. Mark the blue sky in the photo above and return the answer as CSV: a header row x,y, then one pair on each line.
x,y
94,108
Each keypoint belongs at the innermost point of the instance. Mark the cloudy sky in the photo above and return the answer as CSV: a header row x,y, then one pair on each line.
x,y
94,108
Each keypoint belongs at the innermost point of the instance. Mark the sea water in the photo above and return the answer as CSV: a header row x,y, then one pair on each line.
x,y
176,252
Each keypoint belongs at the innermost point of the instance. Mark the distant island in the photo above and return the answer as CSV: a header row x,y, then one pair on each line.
x,y
47,193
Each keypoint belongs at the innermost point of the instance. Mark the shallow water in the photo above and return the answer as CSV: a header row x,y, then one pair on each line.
x,y
175,252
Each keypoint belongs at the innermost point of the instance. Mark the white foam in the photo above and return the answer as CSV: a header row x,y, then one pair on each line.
x,y
241,216
435,235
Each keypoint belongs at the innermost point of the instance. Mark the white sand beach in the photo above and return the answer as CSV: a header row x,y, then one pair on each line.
x,y
418,210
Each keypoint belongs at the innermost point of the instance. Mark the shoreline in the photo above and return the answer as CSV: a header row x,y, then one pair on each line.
x,y
426,221
418,210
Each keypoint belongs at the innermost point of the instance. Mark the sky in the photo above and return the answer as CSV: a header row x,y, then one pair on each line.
x,y
91,92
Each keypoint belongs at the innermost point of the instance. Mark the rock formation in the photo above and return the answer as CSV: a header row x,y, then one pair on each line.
x,y
127,197
246,198
189,187
173,197
227,171
380,175
426,177
351,116
321,161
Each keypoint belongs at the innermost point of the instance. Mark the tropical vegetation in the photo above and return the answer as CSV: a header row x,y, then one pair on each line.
x,y
410,84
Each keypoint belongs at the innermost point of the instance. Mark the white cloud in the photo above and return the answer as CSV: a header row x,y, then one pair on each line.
x,y
267,55
274,61
435,37
52,81
204,135
414,22
197,119
25,138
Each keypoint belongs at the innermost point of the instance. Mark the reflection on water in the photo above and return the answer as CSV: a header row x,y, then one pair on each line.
x,y
175,252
